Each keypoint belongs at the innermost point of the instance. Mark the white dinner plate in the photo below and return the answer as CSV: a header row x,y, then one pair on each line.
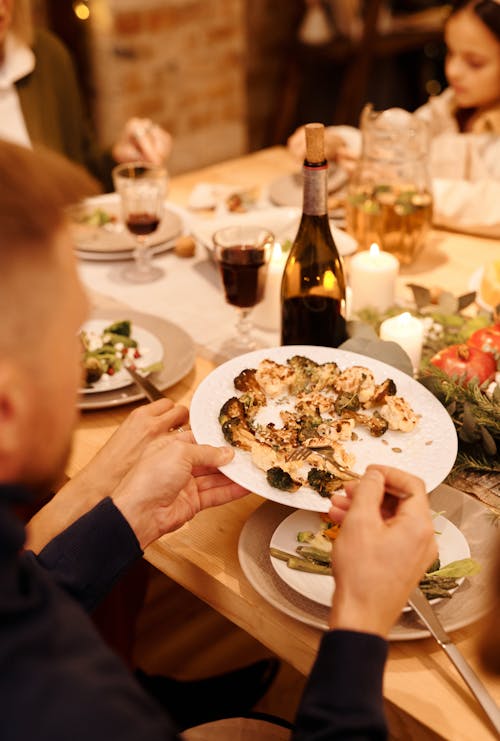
x,y
429,451
452,546
149,346
282,222
112,241
178,357
470,602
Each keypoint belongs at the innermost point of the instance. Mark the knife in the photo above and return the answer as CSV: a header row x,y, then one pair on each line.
x,y
419,603
152,393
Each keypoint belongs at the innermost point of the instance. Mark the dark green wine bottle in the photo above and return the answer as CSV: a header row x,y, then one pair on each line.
x,y
313,284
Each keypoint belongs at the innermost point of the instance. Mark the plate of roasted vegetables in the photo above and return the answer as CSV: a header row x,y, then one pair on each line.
x,y
305,419
302,549
99,232
108,346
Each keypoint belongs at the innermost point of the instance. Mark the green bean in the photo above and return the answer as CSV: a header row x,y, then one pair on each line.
x,y
301,564
282,555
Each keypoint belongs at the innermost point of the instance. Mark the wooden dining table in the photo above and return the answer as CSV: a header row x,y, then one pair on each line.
x,y
425,696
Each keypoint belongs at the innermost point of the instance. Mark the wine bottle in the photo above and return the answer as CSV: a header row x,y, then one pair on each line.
x,y
313,284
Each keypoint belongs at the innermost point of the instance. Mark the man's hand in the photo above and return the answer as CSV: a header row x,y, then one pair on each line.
x,y
100,477
378,558
173,481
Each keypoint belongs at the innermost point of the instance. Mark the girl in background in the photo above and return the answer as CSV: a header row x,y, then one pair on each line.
x,y
464,124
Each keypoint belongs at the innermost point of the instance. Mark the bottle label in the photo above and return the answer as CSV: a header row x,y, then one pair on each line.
x,y
315,189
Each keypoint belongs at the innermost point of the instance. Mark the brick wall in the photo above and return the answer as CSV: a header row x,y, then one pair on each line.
x,y
207,70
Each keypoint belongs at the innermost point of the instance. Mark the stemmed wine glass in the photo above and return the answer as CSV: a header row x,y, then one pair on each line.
x,y
242,253
142,189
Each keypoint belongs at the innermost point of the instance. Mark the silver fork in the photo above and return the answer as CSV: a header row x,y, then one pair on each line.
x,y
302,453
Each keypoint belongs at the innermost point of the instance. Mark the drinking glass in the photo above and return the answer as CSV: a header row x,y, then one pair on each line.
x,y
242,254
142,189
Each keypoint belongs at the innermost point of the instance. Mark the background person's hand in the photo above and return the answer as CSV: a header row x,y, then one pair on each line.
x,y
378,559
141,139
174,480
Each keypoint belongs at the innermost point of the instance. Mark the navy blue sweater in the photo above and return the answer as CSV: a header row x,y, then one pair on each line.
x,y
59,681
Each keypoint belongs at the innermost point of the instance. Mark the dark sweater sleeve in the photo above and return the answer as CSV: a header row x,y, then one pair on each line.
x,y
88,557
343,695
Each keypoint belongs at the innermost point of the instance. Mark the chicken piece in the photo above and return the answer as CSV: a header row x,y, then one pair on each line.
x,y
399,414
273,378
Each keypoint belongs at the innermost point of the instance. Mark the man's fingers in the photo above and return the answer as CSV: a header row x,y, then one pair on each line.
x,y
208,455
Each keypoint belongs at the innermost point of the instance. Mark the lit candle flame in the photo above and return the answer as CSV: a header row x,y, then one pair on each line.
x,y
374,249
277,252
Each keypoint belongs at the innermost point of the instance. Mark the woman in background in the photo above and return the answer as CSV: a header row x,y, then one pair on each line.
x,y
41,104
464,124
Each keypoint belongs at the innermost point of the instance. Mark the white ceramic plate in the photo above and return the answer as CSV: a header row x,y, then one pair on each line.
x,y
452,546
149,346
177,350
470,602
112,240
282,222
428,451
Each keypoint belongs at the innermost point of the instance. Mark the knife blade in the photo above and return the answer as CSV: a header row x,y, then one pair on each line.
x,y
420,605
152,392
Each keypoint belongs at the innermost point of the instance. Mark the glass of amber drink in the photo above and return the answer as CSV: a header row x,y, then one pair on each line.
x,y
389,199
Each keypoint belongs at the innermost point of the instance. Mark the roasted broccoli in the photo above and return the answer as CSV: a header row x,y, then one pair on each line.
x,y
253,396
304,370
280,479
346,402
324,482
235,429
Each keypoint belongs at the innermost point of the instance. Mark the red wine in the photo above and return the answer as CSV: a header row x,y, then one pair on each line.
x,y
142,223
243,271
313,320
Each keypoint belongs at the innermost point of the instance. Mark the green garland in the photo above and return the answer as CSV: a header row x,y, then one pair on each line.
x,y
475,414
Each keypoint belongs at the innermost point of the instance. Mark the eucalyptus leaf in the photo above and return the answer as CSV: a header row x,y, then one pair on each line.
x,y
489,443
448,303
458,569
357,329
387,352
469,431
466,299
421,295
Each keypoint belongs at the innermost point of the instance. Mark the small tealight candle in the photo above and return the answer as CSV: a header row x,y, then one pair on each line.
x,y
408,332
267,314
372,277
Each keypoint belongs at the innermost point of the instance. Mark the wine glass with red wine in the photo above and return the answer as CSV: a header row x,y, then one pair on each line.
x,y
142,189
242,254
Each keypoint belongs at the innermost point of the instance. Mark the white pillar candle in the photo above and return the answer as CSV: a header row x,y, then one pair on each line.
x,y
267,314
408,332
372,277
